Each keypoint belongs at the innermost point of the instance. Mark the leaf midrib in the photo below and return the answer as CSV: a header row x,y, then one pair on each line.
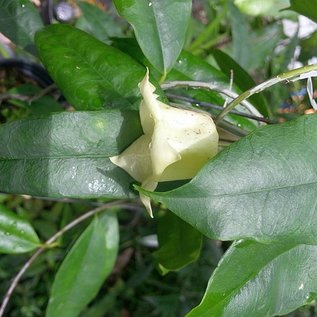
x,y
160,37
252,276
91,66
211,195
90,156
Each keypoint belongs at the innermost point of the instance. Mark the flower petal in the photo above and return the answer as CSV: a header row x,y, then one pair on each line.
x,y
136,159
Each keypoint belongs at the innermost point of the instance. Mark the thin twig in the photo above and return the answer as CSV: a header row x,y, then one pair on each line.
x,y
212,86
216,107
6,96
48,244
230,88
42,93
291,76
29,99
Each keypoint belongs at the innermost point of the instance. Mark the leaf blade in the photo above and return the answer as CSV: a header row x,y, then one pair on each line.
x,y
92,256
305,7
91,74
166,22
260,188
256,279
241,78
180,243
19,21
97,22
67,154
16,234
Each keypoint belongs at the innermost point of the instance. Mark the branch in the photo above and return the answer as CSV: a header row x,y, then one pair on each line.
x,y
212,86
291,76
29,99
219,108
48,244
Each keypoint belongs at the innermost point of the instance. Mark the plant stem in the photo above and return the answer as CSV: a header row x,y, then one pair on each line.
x,y
211,86
216,107
48,245
291,76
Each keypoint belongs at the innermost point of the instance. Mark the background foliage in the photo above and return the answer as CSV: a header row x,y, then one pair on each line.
x,y
58,131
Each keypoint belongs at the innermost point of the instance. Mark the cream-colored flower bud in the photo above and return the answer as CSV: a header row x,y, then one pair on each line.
x,y
176,143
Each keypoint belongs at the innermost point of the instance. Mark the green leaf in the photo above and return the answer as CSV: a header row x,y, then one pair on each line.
x,y
16,234
269,38
160,28
85,267
66,154
91,74
256,279
262,187
191,67
19,20
241,78
42,105
179,242
305,7
308,47
241,49
97,23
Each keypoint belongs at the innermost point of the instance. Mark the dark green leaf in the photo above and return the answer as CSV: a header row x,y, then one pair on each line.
x,y
191,67
287,54
244,52
85,268
66,154
241,78
16,234
241,49
261,280
160,27
91,74
305,7
19,20
179,242
42,105
97,23
268,37
308,47
262,187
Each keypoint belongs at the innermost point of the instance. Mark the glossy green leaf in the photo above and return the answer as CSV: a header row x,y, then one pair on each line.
x,y
191,67
241,78
179,243
241,49
66,154
19,20
85,267
91,74
260,280
16,234
262,187
97,22
160,27
305,7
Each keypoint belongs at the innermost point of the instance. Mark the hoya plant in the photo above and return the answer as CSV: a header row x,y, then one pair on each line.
x,y
137,110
